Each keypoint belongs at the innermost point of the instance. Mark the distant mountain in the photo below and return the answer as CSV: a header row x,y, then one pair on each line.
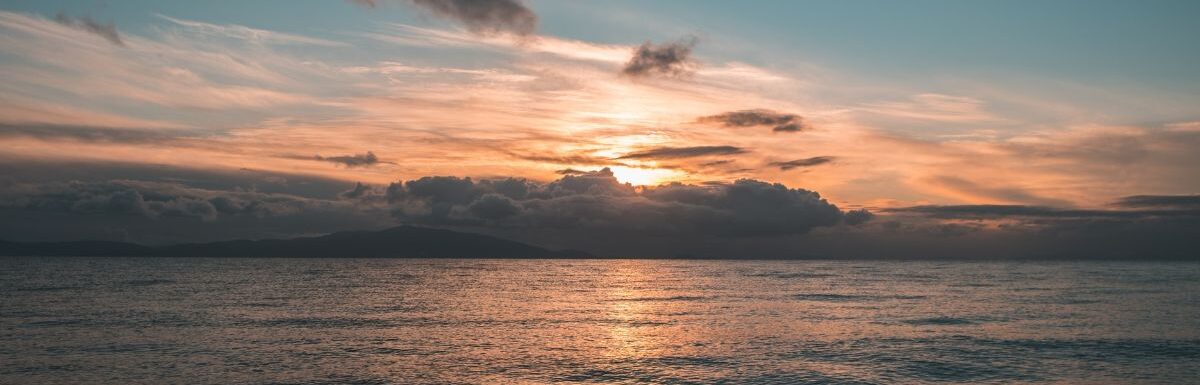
x,y
396,242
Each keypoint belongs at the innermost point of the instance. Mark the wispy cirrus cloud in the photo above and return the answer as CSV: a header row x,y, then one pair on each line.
x,y
180,73
245,33
934,107
85,23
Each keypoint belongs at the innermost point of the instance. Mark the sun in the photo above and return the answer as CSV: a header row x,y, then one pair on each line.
x,y
643,176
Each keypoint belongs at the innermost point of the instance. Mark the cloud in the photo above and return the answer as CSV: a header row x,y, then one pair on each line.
x,y
572,159
597,201
94,134
857,217
484,17
1022,231
360,191
591,211
976,192
668,59
248,34
806,162
683,152
356,160
716,163
779,122
86,24
569,171
1172,201
366,3
1024,211
147,199
934,107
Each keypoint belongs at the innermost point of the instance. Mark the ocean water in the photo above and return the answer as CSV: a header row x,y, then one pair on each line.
x,y
312,321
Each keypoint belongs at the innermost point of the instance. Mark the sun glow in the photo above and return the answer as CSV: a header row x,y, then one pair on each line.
x,y
643,176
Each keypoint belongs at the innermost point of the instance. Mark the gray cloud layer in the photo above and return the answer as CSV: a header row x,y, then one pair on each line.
x,y
800,163
779,122
584,210
149,199
667,59
98,134
1023,211
1179,201
484,16
356,160
86,24
683,152
597,201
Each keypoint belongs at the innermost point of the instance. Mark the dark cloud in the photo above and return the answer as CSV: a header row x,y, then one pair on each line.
x,y
779,122
156,212
596,201
147,199
360,191
683,152
494,207
1177,201
806,162
590,211
1011,211
86,24
569,171
858,217
484,16
356,160
1028,232
668,59
571,159
716,163
97,134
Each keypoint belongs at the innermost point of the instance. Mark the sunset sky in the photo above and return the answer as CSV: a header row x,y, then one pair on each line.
x,y
676,127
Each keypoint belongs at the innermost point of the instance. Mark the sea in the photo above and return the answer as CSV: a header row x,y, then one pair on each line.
x,y
482,321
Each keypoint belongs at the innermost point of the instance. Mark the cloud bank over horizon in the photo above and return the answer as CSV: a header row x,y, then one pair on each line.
x,y
591,211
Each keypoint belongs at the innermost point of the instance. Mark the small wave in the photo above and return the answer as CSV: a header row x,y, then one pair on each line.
x,y
316,322
49,288
939,321
831,297
338,380
661,299
58,322
147,282
674,361
263,304
943,371
973,284
782,275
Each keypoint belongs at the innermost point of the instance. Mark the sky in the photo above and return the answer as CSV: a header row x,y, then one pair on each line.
x,y
791,128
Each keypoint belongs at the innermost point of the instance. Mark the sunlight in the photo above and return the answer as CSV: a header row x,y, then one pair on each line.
x,y
643,176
